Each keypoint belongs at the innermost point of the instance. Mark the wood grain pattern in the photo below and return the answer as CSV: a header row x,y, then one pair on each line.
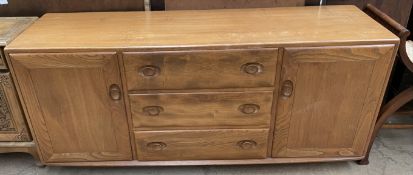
x,y
21,147
402,98
326,74
10,27
127,106
225,4
201,144
194,110
201,69
66,96
12,122
174,29
335,97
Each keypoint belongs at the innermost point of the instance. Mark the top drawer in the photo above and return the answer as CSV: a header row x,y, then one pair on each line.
x,y
200,69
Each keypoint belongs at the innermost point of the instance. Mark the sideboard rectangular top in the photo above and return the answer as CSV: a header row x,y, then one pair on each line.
x,y
171,29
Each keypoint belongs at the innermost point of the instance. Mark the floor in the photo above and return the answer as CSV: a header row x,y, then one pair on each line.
x,y
391,154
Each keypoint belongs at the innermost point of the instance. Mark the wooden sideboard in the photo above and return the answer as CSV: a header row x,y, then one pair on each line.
x,y
202,87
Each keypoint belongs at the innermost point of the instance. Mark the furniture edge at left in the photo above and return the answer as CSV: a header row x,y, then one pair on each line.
x,y
14,130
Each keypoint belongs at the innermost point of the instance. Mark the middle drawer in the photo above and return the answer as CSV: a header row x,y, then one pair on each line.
x,y
207,109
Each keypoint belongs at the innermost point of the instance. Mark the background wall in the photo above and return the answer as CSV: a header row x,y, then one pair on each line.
x,y
39,7
398,9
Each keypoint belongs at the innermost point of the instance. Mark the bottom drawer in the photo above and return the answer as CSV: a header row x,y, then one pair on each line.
x,y
202,144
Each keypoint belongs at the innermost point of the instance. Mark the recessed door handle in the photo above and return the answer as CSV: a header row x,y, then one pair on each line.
x,y
252,68
115,92
287,89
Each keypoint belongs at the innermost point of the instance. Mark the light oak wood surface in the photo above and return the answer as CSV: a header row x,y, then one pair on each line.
x,y
224,4
201,69
332,102
68,98
177,29
201,144
174,85
10,28
209,110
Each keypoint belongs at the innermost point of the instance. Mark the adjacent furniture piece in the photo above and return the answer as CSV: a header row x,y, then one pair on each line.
x,y
203,87
399,10
14,134
40,7
405,96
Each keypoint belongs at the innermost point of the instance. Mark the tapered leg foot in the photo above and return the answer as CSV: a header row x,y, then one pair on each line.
x,y
364,161
32,151
40,164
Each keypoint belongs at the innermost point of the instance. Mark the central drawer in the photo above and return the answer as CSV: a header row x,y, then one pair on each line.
x,y
200,69
202,144
250,109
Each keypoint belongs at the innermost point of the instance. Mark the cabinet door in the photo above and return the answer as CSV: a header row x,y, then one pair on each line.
x,y
329,99
75,105
12,124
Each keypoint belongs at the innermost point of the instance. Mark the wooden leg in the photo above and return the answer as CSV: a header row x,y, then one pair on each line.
x,y
33,151
21,147
364,161
387,110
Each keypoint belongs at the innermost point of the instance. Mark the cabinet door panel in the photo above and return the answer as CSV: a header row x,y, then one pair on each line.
x,y
68,103
12,123
329,99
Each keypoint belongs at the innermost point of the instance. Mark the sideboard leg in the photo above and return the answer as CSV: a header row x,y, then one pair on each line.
x,y
364,161
21,147
32,151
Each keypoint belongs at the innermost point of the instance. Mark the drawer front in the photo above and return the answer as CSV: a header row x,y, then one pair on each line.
x,y
200,69
201,144
12,124
213,109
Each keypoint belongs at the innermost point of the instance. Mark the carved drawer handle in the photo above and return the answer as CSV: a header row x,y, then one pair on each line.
x,y
249,108
114,92
287,89
149,71
152,110
156,146
252,68
247,144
